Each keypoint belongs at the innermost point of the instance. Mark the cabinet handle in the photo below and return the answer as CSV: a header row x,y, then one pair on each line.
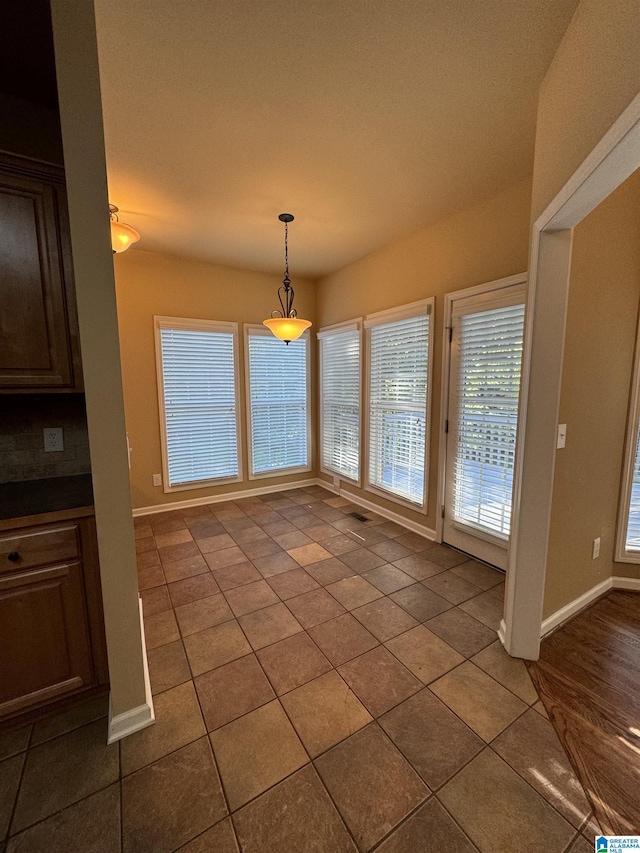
x,y
13,556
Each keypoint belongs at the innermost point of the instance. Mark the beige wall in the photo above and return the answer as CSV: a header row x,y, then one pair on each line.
x,y
480,244
604,293
151,284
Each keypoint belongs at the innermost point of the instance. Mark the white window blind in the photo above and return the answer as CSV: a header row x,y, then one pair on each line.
x,y
278,410
632,539
490,360
340,402
398,373
198,376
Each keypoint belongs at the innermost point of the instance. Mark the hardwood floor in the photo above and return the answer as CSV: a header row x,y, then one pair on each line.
x,y
588,677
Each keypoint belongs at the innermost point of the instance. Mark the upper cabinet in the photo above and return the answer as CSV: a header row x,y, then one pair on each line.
x,y
39,347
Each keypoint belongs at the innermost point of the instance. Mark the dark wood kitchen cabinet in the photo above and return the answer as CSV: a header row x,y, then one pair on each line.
x,y
51,624
39,347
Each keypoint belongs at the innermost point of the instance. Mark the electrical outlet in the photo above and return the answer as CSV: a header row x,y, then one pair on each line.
x,y
596,549
53,440
562,436
157,479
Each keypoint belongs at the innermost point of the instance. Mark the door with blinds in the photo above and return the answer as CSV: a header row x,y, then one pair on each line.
x,y
484,384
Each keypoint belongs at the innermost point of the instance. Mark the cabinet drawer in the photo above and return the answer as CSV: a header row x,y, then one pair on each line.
x,y
25,549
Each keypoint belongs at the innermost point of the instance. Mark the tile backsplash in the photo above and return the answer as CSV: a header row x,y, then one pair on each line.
x,y
23,417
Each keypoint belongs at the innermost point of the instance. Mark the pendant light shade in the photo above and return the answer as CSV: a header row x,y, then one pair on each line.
x,y
285,324
122,235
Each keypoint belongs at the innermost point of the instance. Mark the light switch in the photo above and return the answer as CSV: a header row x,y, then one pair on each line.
x,y
562,436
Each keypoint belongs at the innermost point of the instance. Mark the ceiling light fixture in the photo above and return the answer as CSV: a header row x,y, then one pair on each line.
x,y
285,324
122,235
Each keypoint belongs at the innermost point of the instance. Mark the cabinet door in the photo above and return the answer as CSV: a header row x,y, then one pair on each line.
x,y
44,636
35,339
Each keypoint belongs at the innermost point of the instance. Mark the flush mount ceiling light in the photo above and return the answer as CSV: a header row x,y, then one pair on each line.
x,y
285,324
122,235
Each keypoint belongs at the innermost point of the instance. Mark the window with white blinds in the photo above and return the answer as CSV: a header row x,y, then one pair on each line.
x,y
278,396
628,528
632,538
489,367
340,364
398,367
197,372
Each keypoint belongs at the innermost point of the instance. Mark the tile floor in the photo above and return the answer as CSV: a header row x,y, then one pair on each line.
x,y
320,685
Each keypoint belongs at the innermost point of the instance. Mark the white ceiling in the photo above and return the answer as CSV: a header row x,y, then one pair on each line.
x,y
366,119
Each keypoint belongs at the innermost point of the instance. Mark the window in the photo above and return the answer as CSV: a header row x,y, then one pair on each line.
x,y
399,385
628,534
278,410
340,366
197,389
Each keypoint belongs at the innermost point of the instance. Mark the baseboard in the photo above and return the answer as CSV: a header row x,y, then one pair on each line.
x,y
140,717
561,616
389,514
502,632
626,583
227,496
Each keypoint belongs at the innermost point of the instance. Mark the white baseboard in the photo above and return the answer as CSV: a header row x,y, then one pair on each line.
x,y
502,631
564,613
413,526
140,717
227,496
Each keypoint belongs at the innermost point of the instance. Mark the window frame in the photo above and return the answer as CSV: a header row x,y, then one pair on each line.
x,y
381,318
195,325
621,553
259,330
327,331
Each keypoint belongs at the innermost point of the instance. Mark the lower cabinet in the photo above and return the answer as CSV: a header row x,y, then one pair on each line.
x,y
51,627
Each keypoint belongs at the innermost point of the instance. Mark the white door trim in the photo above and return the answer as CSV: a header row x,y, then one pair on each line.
x,y
614,158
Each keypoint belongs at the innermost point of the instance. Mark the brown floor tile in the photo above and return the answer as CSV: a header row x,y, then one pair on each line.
x,y
500,812
219,542
226,557
342,639
418,566
227,511
168,667
379,680
201,614
320,532
369,535
581,845
155,600
391,529
64,770
178,722
372,785
296,816
446,557
166,522
531,747
420,602
354,592
293,540
145,543
388,578
452,587
414,542
14,741
236,526
486,608
308,519
185,568
274,564
498,590
219,839
278,528
252,596
151,575
90,825
174,553
307,554
432,739
269,625
253,534
67,721
340,544
484,705
142,530
314,607
479,574
429,830
160,629
232,690
290,584
178,537
539,707
10,773
262,548
193,589
390,550
510,672
324,712
172,801
215,647
204,526
462,631
384,618
329,571
236,576
427,656
255,752
362,560
293,662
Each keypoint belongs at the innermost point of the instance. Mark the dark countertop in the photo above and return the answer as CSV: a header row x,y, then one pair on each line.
x,y
33,497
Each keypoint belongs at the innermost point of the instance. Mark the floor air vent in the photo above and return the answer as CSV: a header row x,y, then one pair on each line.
x,y
358,516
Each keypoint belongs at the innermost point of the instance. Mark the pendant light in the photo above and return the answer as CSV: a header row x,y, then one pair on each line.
x,y
285,324
122,235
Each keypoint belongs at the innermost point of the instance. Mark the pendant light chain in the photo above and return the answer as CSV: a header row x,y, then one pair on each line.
x,y
285,324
